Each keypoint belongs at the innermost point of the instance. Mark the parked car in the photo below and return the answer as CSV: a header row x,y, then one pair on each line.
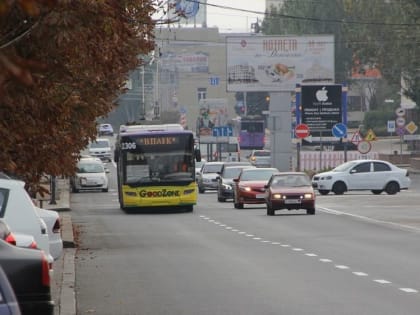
x,y
91,174
249,186
106,130
101,148
374,175
291,191
260,158
52,220
18,211
8,303
18,239
28,273
206,179
229,171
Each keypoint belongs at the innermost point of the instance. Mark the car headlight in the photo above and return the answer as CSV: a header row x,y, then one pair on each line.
x,y
307,196
276,196
226,186
246,188
329,177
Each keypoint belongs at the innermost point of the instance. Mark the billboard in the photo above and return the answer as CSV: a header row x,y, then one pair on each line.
x,y
213,113
277,63
321,108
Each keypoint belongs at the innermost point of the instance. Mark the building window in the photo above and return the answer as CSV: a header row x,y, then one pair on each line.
x,y
201,93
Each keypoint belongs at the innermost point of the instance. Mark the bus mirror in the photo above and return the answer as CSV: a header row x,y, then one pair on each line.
x,y
197,153
116,156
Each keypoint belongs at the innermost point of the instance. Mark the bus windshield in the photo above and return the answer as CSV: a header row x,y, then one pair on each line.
x,y
157,159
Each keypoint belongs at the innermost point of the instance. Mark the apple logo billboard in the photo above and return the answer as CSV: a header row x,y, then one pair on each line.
x,y
321,108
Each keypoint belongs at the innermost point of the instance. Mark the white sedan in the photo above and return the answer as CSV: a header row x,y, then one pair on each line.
x,y
374,175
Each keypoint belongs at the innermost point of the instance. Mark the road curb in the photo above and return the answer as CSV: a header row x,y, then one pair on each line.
x,y
67,305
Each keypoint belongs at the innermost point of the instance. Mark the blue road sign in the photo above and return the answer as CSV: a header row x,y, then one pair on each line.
x,y
339,130
222,131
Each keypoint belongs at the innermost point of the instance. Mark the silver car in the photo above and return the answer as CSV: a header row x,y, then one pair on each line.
x,y
207,178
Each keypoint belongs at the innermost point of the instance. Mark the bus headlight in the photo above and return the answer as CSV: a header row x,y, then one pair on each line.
x,y
189,191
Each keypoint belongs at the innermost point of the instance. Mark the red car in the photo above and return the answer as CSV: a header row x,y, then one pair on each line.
x,y
249,186
291,191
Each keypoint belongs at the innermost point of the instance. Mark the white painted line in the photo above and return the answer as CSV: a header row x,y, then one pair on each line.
x,y
249,235
311,255
285,245
360,274
265,241
297,249
235,230
341,267
275,243
360,217
241,232
222,225
215,222
228,228
211,221
409,290
256,238
381,281
325,260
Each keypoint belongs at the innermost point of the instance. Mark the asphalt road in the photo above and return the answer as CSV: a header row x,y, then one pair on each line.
x,y
358,255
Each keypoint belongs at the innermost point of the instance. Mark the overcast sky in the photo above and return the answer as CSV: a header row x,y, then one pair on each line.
x,y
234,20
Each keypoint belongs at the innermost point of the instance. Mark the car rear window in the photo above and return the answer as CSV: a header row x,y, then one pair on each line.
x,y
90,168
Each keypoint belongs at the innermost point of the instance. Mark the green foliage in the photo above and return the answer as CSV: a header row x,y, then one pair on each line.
x,y
377,121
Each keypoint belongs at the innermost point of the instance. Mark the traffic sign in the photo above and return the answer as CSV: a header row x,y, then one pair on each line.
x,y
302,131
222,131
356,138
364,147
339,130
370,136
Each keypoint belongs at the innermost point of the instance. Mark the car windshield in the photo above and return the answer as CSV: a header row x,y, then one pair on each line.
x,y
99,144
261,153
90,168
290,180
232,172
257,174
346,166
212,168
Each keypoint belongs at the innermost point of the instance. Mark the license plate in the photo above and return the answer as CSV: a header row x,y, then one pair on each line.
x,y
260,196
292,201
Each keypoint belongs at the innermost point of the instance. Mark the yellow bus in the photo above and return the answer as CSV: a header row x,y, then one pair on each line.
x,y
156,167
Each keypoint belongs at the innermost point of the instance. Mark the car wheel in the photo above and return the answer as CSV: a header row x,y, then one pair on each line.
x,y
221,199
392,188
377,192
189,208
104,189
339,188
238,205
310,211
270,210
201,190
74,189
324,192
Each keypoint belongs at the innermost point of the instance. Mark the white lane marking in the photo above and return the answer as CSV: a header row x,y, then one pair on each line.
x,y
342,267
361,217
222,225
249,235
235,230
241,232
311,255
382,281
360,274
285,245
409,290
326,260
265,241
256,238
275,243
228,228
297,249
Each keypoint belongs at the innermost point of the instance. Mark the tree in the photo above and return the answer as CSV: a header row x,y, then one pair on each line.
x,y
62,64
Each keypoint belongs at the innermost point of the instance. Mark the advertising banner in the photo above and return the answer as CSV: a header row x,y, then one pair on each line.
x,y
321,108
213,113
277,63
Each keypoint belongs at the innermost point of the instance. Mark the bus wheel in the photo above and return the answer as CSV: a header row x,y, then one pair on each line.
x,y
189,208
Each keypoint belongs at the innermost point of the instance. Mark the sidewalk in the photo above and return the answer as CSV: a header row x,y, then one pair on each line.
x,y
63,280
